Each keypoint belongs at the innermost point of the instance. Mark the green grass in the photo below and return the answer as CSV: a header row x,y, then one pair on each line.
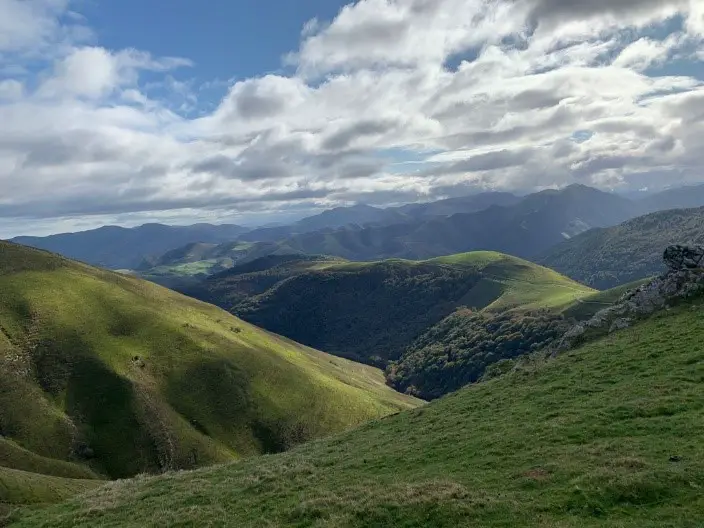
x,y
189,269
23,488
507,282
586,307
606,435
13,456
105,373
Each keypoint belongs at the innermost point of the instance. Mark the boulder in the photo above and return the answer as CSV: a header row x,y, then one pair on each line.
x,y
684,257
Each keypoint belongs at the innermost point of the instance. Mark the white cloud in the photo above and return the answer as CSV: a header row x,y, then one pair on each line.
x,y
11,89
646,52
474,93
95,72
28,24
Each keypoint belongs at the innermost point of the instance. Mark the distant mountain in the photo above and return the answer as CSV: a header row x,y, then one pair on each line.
x,y
605,258
525,229
360,216
678,198
126,248
386,312
463,204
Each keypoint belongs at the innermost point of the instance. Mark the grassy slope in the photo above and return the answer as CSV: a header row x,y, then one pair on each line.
x,y
125,376
606,435
521,284
367,309
586,307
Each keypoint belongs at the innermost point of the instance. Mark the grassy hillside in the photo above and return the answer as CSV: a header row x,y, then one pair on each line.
x,y
605,258
586,307
184,267
385,312
606,435
106,374
372,310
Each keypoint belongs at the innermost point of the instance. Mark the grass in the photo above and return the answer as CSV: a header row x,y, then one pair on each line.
x,y
16,457
606,435
106,374
507,282
23,488
586,307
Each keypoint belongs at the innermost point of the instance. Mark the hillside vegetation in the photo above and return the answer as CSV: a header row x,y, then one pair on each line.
x,y
605,258
386,312
186,266
107,375
609,434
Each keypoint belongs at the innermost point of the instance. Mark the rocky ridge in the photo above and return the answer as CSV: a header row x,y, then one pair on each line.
x,y
683,280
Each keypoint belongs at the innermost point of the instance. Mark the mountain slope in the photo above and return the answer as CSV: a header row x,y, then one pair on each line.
x,y
185,266
604,258
528,228
375,311
102,373
606,435
462,204
121,248
678,198
328,220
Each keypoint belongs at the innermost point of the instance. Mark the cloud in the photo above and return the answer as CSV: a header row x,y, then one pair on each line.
x,y
646,52
95,72
29,24
391,100
11,89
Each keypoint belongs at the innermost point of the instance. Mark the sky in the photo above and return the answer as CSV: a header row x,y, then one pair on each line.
x,y
252,111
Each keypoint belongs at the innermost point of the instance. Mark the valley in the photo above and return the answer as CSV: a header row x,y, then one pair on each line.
x,y
180,392
107,376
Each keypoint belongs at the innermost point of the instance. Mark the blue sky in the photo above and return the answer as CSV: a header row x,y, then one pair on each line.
x,y
225,39
241,111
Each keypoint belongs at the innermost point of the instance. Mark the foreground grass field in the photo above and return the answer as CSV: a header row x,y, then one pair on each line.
x,y
610,434
104,375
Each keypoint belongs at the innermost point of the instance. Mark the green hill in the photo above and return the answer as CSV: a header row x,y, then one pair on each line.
x,y
382,312
184,267
605,258
609,434
586,307
107,375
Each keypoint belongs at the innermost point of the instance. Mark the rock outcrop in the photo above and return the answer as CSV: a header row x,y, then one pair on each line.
x,y
685,279
684,257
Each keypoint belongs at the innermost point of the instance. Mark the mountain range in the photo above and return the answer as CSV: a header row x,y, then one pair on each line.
x,y
609,257
106,376
523,226
126,248
528,227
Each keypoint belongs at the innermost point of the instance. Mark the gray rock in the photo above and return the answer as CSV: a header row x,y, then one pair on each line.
x,y
620,324
685,279
684,257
